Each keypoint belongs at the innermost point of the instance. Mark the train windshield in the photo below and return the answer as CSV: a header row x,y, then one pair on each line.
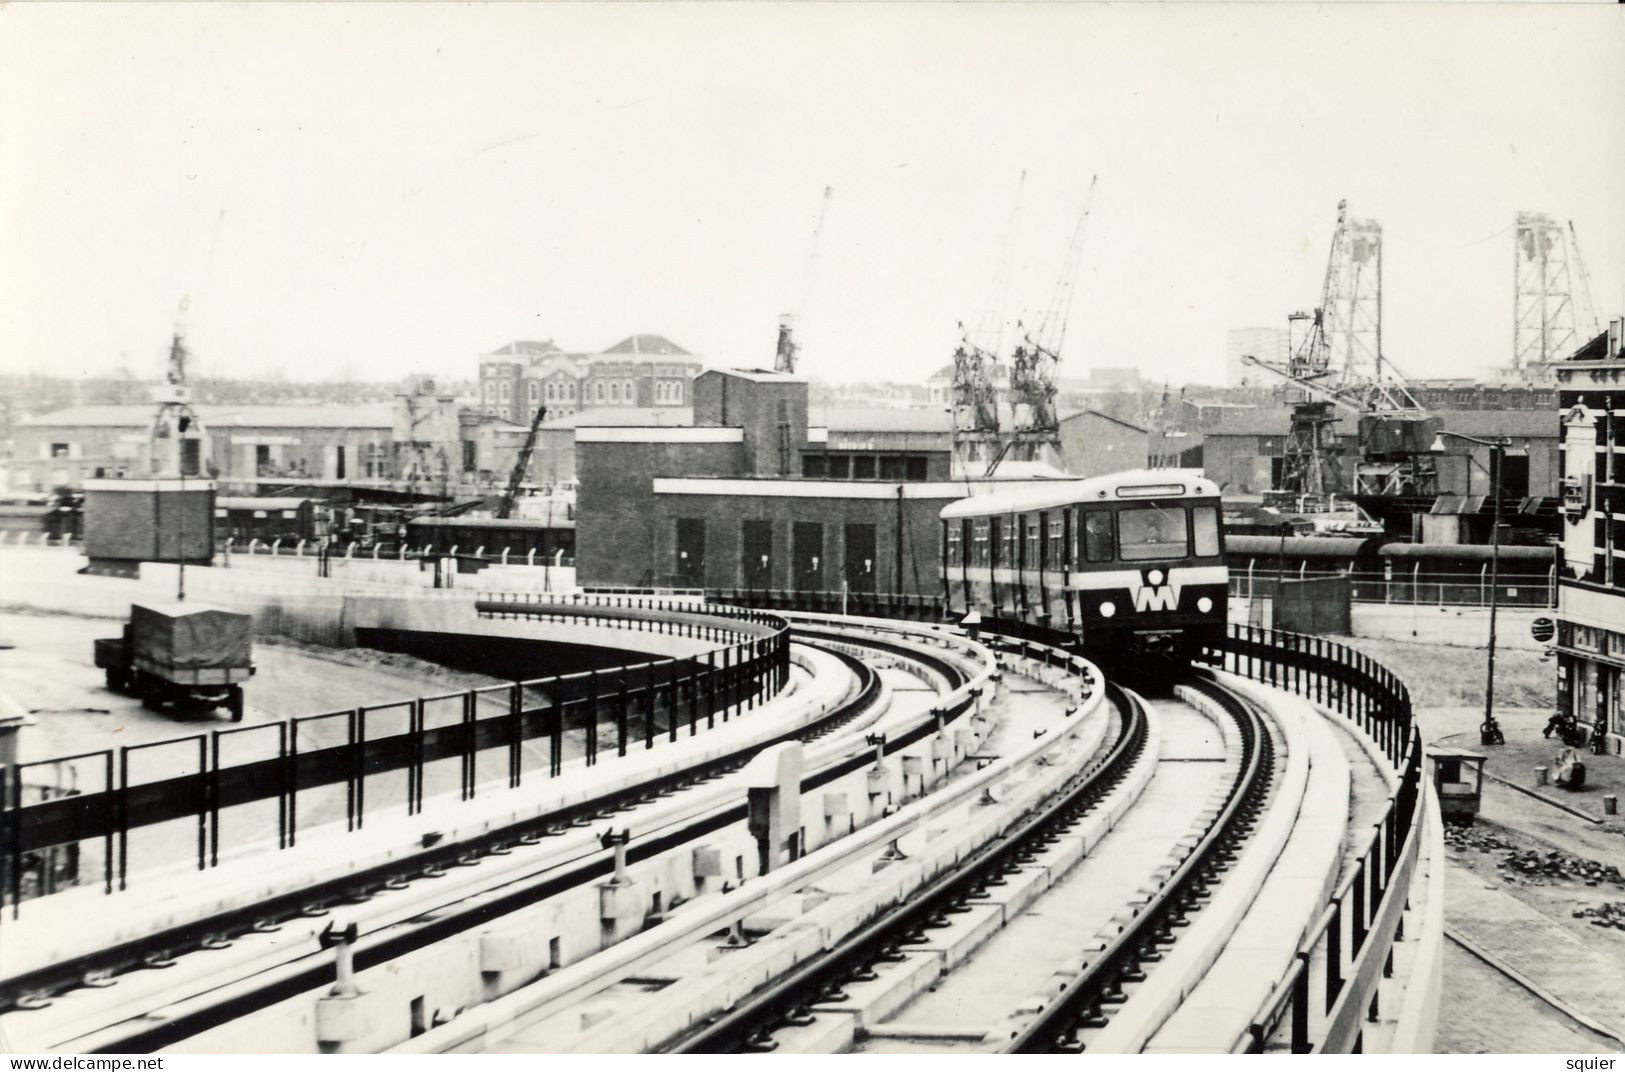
x,y
1151,532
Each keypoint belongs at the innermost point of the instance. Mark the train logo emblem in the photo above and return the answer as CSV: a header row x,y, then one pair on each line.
x,y
1152,594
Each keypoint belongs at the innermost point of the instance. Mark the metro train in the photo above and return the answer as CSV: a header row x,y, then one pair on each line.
x,y
1128,567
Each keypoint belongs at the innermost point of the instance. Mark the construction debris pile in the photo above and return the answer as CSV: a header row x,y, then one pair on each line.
x,y
1607,914
1531,866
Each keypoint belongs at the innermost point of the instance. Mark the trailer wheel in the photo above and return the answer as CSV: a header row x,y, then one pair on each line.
x,y
234,703
145,689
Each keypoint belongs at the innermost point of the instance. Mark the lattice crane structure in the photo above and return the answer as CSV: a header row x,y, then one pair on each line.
x,y
1545,323
1337,363
1034,364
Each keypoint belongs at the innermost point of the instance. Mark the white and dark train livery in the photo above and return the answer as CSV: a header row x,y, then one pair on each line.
x,y
1124,565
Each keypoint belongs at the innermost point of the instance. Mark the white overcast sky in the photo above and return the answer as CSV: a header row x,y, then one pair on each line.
x,y
367,190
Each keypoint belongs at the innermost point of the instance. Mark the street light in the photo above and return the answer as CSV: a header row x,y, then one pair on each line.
x,y
1489,732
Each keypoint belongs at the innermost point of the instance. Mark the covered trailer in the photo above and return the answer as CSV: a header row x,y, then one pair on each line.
x,y
181,655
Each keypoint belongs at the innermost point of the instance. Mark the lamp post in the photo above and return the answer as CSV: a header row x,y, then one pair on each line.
x,y
1489,732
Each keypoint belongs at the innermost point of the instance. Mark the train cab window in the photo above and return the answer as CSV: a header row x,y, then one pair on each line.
x,y
1148,532
1097,536
1205,530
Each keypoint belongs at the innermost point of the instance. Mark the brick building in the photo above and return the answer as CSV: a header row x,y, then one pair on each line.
x,y
1591,568
638,371
725,504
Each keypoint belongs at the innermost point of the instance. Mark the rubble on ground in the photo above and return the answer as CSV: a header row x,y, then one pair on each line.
x,y
1532,865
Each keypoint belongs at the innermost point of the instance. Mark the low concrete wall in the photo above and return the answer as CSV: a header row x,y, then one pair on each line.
x,y
1467,627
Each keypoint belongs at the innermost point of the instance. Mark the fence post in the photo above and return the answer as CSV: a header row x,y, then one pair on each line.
x,y
620,714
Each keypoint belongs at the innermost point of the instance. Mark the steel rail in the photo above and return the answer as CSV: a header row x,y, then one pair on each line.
x,y
34,987
308,972
749,1025
1085,1001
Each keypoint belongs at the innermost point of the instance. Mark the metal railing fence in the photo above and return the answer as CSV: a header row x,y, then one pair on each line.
x,y
356,762
1332,988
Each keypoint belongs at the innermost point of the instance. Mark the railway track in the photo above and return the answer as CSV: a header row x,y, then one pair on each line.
x,y
750,1025
1104,978
415,928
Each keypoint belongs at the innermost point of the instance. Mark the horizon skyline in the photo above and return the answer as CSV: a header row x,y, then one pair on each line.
x,y
350,192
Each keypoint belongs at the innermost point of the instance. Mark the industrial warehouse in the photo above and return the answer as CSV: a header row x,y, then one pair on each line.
x,y
676,555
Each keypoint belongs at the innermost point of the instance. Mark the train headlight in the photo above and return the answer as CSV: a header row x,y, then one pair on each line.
x,y
1107,609
1204,604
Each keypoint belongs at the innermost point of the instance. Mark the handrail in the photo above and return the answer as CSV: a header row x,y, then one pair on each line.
x,y
1353,936
751,665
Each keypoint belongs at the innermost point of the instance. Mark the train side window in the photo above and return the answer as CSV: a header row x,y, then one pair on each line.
x,y
1033,528
1205,529
1097,536
953,544
980,535
1053,551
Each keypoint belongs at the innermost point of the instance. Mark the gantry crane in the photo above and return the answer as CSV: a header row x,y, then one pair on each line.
x,y
1339,364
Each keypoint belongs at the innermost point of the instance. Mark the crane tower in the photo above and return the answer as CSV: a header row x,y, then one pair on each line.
x,y
1545,324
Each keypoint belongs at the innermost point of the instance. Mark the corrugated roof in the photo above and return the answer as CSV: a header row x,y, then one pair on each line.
x,y
625,417
247,502
879,419
362,415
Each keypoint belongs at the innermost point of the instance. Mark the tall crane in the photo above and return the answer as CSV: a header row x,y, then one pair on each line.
x,y
1590,316
1338,364
1037,358
784,356
976,358
521,464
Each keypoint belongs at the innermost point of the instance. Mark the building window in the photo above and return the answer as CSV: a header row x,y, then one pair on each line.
x,y
375,461
507,391
614,392
490,391
61,450
598,391
535,391
863,467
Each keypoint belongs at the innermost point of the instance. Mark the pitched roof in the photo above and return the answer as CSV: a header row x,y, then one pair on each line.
x,y
1069,414
526,348
650,345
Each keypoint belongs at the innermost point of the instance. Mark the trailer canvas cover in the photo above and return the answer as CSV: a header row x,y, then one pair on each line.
x,y
183,636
